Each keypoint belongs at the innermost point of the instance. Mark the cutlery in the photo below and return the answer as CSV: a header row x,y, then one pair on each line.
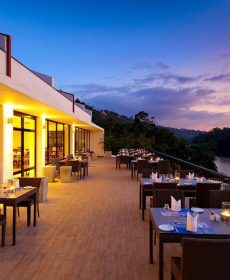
x,y
175,228
179,222
203,228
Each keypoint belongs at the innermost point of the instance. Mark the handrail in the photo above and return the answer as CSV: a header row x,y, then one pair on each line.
x,y
206,170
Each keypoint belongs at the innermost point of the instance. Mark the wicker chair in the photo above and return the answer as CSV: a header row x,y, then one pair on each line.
x,y
70,156
34,182
146,173
183,173
163,196
202,194
202,259
162,186
123,160
217,197
3,224
141,165
76,167
164,167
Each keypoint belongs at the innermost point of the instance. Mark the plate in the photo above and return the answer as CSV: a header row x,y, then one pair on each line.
x,y
166,227
27,188
197,210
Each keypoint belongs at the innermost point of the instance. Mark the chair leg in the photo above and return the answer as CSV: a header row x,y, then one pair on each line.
x,y
155,238
18,212
3,234
38,209
172,276
28,215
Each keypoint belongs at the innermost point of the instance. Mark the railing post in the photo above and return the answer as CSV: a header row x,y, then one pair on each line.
x,y
73,104
8,55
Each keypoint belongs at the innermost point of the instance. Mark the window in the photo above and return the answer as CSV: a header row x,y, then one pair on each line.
x,y
82,140
24,144
57,140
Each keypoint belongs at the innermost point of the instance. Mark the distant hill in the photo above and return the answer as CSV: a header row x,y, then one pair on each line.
x,y
188,134
218,139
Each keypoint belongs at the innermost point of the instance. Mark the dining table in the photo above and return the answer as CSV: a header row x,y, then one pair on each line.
x,y
152,165
170,227
147,188
12,200
84,166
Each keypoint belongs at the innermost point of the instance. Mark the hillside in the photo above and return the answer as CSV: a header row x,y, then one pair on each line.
x,y
188,134
217,139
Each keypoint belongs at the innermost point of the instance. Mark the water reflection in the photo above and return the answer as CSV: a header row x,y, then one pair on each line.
x,y
223,165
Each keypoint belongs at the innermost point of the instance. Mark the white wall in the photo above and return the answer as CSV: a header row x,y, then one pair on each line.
x,y
6,143
97,142
26,82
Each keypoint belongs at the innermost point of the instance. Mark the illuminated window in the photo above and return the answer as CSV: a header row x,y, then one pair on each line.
x,y
57,140
24,145
82,140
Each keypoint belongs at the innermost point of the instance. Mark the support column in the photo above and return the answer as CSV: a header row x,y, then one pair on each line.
x,y
72,139
6,142
40,145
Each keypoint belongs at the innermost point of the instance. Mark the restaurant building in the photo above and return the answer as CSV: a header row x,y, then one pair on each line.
x,y
38,122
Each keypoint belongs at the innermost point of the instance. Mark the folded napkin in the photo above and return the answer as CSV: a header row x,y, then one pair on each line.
x,y
190,176
154,176
175,205
191,222
159,180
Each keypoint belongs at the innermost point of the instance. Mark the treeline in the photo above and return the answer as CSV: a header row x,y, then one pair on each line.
x,y
217,139
142,132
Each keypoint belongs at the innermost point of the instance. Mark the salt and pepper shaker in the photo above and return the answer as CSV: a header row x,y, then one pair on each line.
x,y
217,217
212,216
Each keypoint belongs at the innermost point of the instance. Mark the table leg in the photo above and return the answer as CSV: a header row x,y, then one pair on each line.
x,y
161,259
14,225
132,171
35,209
143,204
4,210
150,241
140,197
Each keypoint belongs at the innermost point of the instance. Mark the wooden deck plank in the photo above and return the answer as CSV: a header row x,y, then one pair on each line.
x,y
88,229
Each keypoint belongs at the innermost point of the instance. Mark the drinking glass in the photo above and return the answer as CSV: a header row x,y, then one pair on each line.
x,y
166,207
225,205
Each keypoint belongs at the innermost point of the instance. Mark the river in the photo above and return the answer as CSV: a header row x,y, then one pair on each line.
x,y
223,165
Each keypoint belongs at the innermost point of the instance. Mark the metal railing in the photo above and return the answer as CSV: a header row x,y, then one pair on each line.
x,y
178,163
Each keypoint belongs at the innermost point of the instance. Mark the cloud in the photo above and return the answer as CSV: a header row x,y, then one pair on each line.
x,y
158,101
171,98
219,78
90,90
167,78
148,66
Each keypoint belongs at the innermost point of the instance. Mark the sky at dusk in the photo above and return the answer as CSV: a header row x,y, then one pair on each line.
x,y
169,58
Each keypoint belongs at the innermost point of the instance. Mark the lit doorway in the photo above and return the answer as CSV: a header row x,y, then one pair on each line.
x,y
24,144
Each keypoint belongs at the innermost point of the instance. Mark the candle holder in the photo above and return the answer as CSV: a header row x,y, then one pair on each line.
x,y
225,215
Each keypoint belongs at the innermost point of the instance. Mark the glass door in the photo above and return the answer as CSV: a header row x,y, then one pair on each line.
x,y
24,157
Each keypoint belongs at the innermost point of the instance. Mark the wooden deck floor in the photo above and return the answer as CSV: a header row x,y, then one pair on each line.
x,y
88,229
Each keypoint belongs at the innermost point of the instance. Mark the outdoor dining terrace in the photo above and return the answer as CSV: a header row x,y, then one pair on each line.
x,y
88,229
